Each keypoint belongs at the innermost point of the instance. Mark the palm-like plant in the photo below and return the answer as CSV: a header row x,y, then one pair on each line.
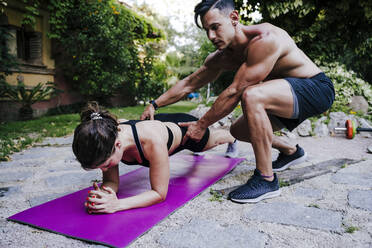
x,y
28,95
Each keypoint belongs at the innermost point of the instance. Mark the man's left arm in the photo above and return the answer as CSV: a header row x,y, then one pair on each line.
x,y
262,56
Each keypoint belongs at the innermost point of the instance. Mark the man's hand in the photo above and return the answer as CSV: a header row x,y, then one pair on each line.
x,y
194,131
148,113
102,200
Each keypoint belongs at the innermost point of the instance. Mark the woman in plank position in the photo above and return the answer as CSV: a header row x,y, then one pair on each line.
x,y
101,142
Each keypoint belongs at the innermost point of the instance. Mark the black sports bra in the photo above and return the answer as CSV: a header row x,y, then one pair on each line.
x,y
145,162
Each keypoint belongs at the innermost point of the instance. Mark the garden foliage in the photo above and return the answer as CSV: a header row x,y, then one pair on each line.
x,y
106,48
328,31
347,84
7,60
337,35
102,46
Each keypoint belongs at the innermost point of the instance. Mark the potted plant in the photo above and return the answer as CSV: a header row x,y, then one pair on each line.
x,y
27,96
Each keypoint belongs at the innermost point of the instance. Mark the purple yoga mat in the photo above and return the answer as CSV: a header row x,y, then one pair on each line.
x,y
190,175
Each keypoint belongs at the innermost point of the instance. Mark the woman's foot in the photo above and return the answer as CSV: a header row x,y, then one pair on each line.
x,y
232,150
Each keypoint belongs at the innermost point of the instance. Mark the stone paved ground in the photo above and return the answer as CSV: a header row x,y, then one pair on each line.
x,y
329,196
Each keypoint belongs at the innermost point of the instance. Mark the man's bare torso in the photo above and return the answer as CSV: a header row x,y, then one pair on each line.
x,y
291,62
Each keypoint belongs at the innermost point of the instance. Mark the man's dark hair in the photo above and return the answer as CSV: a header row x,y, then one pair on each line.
x,y
205,5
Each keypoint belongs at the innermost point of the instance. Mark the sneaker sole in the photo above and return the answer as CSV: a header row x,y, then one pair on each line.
x,y
260,198
296,161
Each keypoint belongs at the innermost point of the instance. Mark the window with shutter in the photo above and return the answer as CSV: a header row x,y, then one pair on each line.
x,y
21,49
33,47
27,46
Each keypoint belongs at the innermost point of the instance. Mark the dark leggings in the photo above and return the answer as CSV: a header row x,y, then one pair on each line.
x,y
182,117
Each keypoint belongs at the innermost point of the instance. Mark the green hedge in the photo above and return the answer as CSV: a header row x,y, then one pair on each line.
x,y
347,84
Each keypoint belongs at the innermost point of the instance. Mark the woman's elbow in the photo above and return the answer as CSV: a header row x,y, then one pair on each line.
x,y
162,196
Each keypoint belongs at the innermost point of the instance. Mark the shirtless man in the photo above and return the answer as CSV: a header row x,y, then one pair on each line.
x,y
275,82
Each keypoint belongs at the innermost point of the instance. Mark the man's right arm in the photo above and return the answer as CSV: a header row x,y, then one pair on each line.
x,y
208,72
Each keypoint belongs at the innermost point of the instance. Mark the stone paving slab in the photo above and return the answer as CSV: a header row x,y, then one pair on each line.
x,y
35,201
22,163
75,178
43,152
293,214
318,169
361,199
202,233
309,192
353,179
355,175
6,191
15,176
59,141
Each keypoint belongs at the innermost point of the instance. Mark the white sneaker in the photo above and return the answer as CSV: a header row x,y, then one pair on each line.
x,y
232,150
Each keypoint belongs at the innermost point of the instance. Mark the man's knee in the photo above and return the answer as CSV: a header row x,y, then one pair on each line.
x,y
251,96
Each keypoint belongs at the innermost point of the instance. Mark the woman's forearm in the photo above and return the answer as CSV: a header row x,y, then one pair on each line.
x,y
144,199
110,178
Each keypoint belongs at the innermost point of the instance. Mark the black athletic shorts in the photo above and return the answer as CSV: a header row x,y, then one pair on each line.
x,y
314,96
182,117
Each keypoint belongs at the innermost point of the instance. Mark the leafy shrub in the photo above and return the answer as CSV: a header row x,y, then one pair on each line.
x,y
153,75
7,60
327,30
347,84
102,41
